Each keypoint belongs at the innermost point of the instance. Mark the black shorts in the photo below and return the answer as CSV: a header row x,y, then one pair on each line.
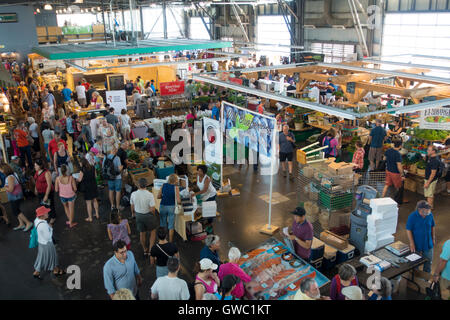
x,y
288,156
15,207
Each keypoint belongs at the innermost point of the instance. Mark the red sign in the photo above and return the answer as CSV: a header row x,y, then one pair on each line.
x,y
236,80
171,88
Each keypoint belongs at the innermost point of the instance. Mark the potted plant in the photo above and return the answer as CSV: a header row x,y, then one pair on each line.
x,y
298,118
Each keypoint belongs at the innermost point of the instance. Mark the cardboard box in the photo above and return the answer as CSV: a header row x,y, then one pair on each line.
x,y
148,174
334,240
410,185
341,168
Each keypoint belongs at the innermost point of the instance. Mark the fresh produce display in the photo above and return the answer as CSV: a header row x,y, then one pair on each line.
x,y
421,164
437,119
428,134
133,155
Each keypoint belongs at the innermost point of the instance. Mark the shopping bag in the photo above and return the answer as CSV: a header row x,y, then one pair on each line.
x,y
209,209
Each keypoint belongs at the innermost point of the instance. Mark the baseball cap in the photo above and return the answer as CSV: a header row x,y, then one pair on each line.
x,y
352,293
299,211
41,211
423,205
206,264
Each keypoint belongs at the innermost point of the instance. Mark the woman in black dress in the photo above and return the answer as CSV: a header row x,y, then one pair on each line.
x,y
88,186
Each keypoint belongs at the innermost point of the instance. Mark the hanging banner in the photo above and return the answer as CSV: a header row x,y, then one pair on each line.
x,y
435,118
213,150
250,128
171,88
117,99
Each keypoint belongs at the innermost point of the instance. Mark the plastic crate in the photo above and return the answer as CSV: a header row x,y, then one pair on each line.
x,y
346,254
162,173
335,201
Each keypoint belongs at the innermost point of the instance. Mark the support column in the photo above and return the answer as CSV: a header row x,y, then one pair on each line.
x,y
142,23
187,22
164,18
299,29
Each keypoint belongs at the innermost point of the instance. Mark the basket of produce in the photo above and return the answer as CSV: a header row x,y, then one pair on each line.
x,y
413,168
421,165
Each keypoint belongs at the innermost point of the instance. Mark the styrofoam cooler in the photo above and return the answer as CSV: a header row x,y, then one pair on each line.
x,y
383,207
209,209
374,245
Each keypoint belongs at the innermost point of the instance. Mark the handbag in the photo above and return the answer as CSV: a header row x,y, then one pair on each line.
x,y
434,291
178,207
34,237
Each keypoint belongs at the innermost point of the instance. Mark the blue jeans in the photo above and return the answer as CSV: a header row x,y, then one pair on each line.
x,y
428,254
25,151
167,216
115,185
161,271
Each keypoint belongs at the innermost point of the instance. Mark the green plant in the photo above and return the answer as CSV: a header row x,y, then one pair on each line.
x,y
421,164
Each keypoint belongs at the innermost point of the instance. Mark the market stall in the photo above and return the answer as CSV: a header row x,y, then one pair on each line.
x,y
276,272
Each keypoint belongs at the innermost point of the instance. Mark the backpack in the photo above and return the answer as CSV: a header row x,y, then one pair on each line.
x,y
34,237
327,142
109,170
440,173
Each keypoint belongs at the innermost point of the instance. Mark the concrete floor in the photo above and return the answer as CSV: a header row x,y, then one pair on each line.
x,y
88,246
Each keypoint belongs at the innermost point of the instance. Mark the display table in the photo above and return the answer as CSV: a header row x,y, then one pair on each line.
x,y
84,111
276,272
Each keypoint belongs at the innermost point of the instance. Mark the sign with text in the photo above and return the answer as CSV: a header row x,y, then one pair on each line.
x,y
213,149
117,99
171,88
435,118
236,80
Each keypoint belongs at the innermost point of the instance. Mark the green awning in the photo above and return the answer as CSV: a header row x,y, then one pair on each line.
x,y
93,50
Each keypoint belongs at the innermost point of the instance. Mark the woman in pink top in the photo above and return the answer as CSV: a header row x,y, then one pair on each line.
x,y
330,141
206,280
233,268
66,187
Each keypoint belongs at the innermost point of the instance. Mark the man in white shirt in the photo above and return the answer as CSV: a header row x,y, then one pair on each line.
x,y
215,66
143,208
81,94
170,287
94,123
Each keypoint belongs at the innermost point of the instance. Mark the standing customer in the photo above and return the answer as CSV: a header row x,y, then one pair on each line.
x,y
15,196
210,250
121,271
33,129
233,268
309,290
302,234
170,287
81,94
206,281
346,277
358,157
21,136
44,188
47,259
394,169
332,143
112,168
227,287
170,196
88,185
286,141
119,229
125,124
143,207
442,271
66,187
61,157
431,175
375,141
420,229
47,135
161,252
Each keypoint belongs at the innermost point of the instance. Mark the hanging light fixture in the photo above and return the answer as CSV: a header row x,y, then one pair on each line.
x,y
98,9
38,10
93,9
64,10
48,7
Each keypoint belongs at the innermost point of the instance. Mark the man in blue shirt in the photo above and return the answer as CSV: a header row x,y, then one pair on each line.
x,y
420,229
66,93
121,271
152,85
376,139
209,251
215,111
442,271
394,169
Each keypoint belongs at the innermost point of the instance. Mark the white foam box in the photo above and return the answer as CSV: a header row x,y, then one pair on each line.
x,y
370,245
383,205
385,238
374,221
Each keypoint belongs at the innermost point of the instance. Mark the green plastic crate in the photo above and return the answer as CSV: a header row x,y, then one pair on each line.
x,y
335,201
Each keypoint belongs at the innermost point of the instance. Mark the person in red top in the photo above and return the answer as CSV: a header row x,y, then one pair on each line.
x,y
358,157
21,134
44,188
85,84
53,144
261,108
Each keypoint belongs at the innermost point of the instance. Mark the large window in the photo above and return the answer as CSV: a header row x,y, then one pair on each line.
x,y
154,22
417,33
273,30
334,52
198,30
76,19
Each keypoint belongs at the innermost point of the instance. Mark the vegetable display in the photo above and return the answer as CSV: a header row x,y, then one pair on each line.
x,y
428,134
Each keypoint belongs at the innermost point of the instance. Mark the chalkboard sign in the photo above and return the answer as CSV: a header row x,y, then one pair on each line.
x,y
116,82
350,87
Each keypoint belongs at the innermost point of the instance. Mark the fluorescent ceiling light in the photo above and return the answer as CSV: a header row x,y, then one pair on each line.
x,y
48,7
78,1
98,8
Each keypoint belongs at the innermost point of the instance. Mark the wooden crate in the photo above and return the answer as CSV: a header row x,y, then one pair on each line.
x,y
54,31
41,31
98,28
411,184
